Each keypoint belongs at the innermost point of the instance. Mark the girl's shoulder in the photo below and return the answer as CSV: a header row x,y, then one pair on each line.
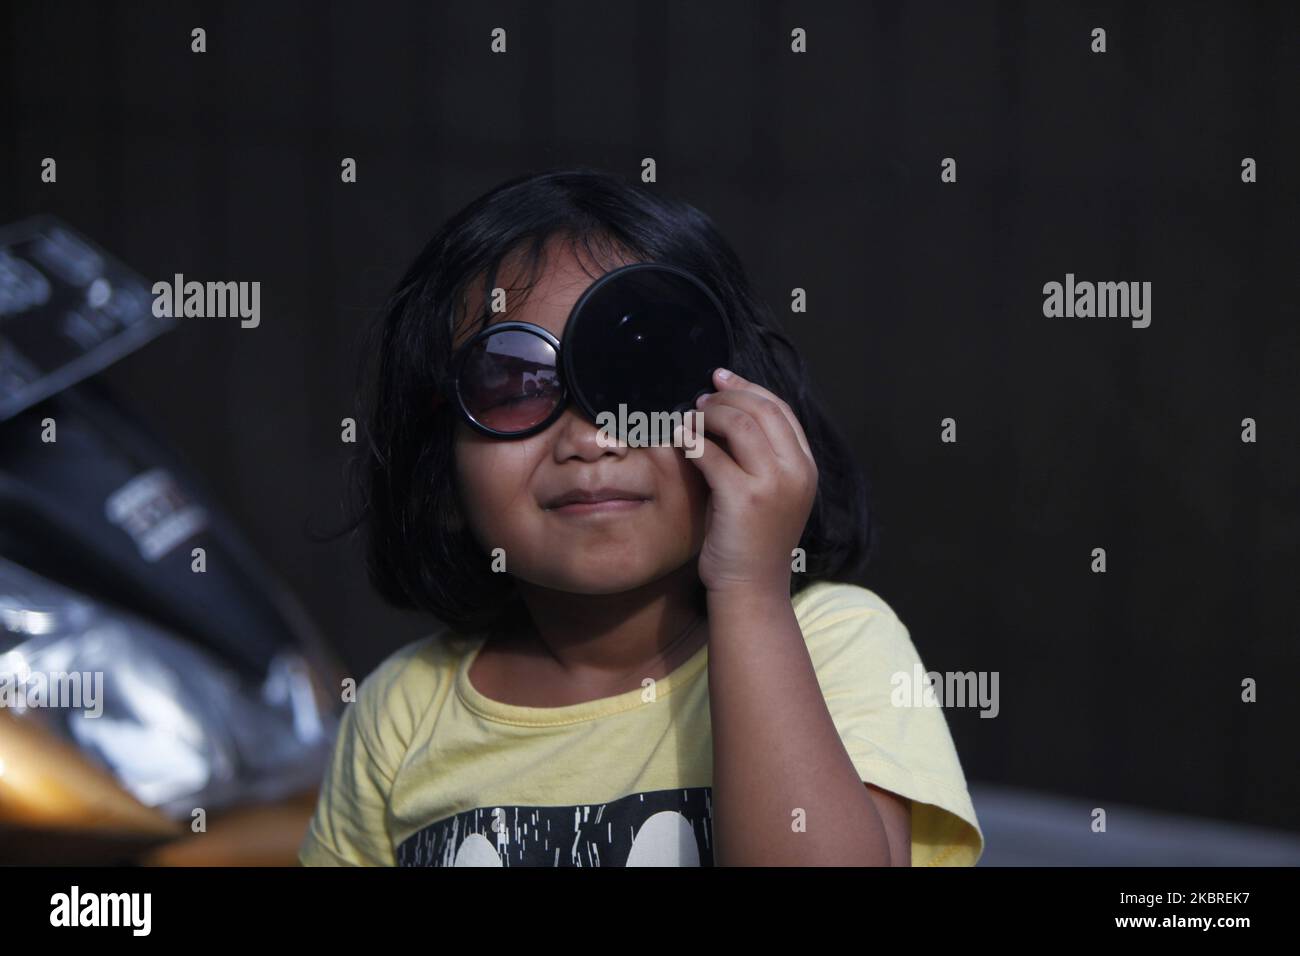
x,y
404,680
844,623
823,603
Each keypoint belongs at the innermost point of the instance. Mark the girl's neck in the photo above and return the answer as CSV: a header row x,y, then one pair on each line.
x,y
609,636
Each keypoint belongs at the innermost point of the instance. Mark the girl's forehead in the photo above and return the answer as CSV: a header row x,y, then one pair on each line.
x,y
542,295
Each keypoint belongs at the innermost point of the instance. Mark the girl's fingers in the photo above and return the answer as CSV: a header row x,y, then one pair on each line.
x,y
777,418
733,380
717,466
747,440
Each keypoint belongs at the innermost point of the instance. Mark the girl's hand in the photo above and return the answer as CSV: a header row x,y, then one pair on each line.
x,y
762,487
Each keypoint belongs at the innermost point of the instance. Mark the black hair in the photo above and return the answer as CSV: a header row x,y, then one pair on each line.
x,y
420,551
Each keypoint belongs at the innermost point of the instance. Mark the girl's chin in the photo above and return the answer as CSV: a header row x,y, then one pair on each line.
x,y
598,580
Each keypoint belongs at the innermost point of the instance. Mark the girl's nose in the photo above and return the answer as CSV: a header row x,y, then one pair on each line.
x,y
577,436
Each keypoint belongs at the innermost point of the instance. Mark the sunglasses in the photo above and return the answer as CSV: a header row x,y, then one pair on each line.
x,y
646,336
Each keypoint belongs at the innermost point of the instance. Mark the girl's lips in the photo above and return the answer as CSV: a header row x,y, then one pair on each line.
x,y
613,505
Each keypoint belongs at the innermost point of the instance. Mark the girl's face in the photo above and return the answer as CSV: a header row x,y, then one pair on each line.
x,y
507,485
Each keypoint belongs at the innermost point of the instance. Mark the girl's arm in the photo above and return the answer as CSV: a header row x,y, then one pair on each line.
x,y
785,791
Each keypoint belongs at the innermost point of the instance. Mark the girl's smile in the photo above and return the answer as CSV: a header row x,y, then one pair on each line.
x,y
582,501
610,506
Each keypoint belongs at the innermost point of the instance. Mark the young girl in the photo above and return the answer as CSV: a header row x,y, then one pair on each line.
x,y
638,680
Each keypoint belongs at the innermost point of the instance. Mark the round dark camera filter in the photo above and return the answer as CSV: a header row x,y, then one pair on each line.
x,y
647,336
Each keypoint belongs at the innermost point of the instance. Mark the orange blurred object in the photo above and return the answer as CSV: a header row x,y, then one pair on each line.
x,y
263,835
57,807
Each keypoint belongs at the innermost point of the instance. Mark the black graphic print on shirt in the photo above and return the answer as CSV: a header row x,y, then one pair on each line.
x,y
656,828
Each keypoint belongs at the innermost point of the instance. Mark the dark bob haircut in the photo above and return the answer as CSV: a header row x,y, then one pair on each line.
x,y
420,551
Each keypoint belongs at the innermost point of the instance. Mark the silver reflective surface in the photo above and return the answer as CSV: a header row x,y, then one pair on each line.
x,y
178,728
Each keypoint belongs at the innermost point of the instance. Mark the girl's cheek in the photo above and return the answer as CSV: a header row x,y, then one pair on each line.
x,y
473,482
682,472
494,478
683,490
478,467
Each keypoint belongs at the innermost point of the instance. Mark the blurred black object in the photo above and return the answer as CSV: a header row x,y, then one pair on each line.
x,y
98,567
110,512
67,310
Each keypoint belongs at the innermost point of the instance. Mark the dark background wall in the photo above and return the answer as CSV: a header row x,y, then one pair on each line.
x,y
925,301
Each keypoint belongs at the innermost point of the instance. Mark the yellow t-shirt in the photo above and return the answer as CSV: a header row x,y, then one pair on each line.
x,y
429,772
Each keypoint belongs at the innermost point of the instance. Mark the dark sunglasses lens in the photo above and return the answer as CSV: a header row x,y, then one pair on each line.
x,y
647,338
510,380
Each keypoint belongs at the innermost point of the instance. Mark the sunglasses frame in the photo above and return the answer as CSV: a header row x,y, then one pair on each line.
x,y
462,354
557,345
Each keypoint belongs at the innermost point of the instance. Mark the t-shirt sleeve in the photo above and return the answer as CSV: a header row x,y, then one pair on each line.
x,y
861,652
350,823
